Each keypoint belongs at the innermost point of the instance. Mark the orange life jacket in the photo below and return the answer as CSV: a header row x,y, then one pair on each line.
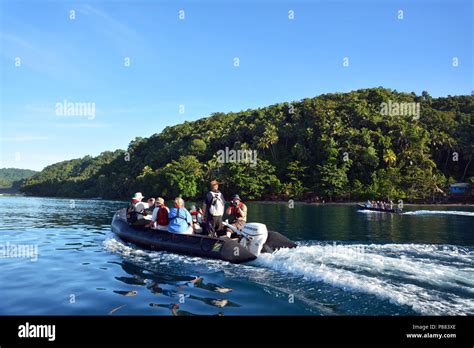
x,y
236,213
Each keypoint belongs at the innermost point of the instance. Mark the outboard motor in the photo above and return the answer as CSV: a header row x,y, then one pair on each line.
x,y
254,235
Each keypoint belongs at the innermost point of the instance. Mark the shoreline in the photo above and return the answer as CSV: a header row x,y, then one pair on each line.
x,y
256,201
357,202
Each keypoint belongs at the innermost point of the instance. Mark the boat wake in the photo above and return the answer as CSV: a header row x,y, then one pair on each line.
x,y
440,212
431,279
424,278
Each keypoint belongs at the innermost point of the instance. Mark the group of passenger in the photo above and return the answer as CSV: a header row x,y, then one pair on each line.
x,y
379,204
156,215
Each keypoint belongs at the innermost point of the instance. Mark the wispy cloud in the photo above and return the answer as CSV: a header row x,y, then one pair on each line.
x,y
36,57
124,38
81,125
130,110
39,108
24,138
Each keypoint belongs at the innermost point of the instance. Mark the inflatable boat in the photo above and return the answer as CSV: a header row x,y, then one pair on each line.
x,y
253,240
363,207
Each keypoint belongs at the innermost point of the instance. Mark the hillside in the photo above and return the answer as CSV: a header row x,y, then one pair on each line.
x,y
333,146
9,175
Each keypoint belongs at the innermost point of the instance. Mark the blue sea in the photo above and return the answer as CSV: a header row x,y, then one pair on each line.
x,y
59,257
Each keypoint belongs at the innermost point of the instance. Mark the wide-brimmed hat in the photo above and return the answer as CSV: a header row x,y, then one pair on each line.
x,y
138,196
160,200
214,182
236,197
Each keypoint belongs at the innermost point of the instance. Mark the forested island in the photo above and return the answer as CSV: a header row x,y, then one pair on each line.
x,y
340,146
12,178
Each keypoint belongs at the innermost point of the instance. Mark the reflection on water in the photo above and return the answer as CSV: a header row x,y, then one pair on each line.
x,y
421,262
171,288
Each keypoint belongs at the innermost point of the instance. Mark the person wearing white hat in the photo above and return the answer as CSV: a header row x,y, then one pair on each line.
x,y
138,197
136,211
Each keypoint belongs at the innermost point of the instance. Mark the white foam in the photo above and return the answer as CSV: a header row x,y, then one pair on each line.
x,y
431,279
423,284
146,257
440,212
451,254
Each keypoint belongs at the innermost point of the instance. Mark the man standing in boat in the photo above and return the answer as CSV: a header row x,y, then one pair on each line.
x,y
213,207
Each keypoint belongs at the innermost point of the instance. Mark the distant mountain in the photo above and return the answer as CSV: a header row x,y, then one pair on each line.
x,y
8,176
365,144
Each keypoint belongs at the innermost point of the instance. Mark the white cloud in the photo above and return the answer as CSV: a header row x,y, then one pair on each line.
x,y
124,38
24,138
37,57
81,125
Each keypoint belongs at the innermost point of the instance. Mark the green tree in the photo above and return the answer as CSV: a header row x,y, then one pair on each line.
x,y
251,182
390,157
182,177
296,175
197,147
333,179
387,155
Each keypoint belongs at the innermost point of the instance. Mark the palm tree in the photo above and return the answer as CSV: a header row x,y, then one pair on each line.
x,y
268,139
390,157
212,168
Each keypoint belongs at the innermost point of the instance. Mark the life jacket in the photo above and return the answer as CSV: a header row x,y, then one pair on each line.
x,y
197,216
162,218
236,214
177,216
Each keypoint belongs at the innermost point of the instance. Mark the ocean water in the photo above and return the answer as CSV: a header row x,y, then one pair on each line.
x,y
59,257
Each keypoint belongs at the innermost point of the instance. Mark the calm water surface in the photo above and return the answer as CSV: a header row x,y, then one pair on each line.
x,y
347,263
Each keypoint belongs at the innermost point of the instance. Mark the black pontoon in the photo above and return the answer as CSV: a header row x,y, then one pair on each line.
x,y
253,240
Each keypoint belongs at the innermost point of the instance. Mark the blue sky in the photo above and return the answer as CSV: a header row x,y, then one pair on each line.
x,y
190,62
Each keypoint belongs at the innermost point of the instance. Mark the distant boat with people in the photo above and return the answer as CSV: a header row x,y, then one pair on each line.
x,y
380,206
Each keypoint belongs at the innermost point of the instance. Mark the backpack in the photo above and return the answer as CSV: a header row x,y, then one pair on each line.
x,y
162,218
132,215
217,206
